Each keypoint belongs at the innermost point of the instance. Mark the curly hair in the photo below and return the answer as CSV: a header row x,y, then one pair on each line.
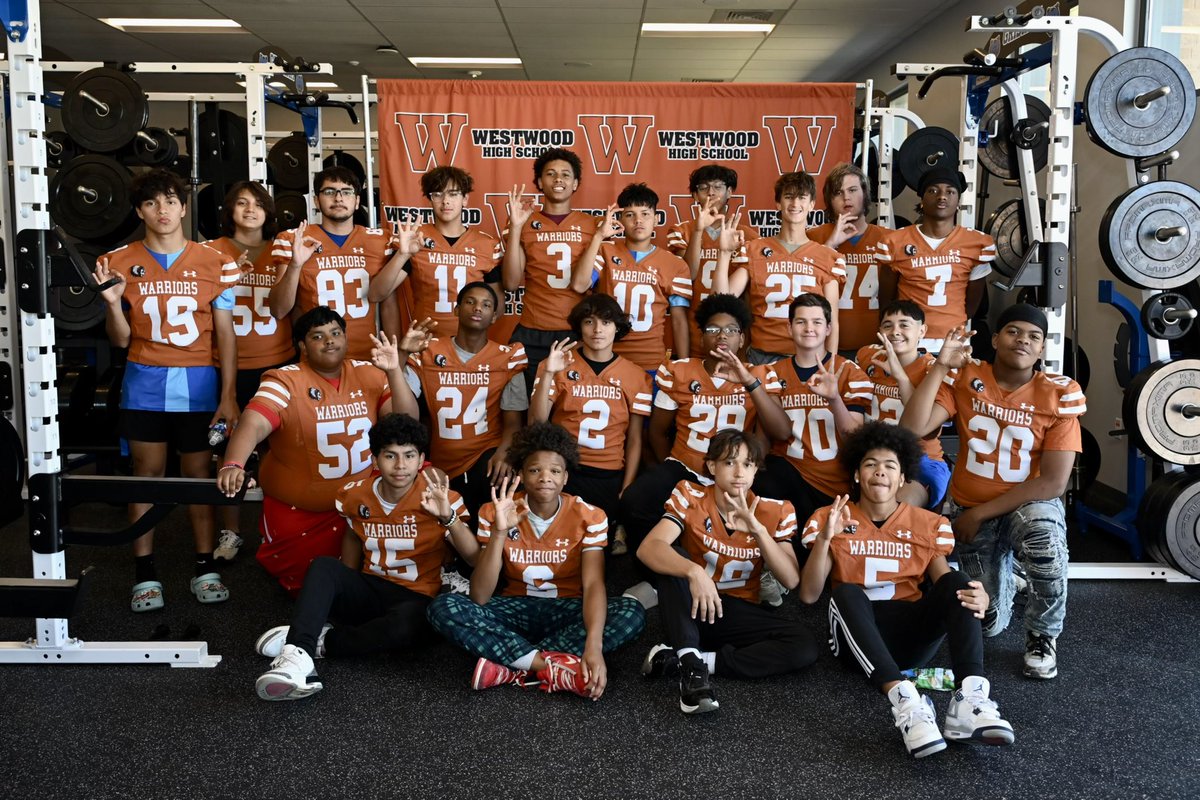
x,y
724,304
543,436
558,154
151,183
398,429
712,172
598,305
875,435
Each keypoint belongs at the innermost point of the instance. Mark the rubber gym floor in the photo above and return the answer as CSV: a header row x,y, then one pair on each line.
x,y
1120,721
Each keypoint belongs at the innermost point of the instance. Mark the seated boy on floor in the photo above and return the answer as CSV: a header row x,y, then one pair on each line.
x,y
400,522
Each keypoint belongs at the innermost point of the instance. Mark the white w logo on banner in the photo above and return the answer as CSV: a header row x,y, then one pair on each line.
x,y
615,139
430,140
800,143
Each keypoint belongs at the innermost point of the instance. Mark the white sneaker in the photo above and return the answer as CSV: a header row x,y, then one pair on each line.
x,y
227,545
973,716
292,676
913,713
271,643
770,591
644,593
454,583
1041,656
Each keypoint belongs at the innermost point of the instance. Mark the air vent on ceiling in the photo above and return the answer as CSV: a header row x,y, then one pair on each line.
x,y
746,15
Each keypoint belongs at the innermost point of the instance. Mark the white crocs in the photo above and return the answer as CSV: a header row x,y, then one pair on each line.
x,y
209,589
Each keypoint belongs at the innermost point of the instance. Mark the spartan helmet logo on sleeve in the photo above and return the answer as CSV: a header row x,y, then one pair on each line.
x,y
910,249
428,243
138,271
440,360
694,387
314,393
364,512
977,384
572,375
767,252
536,224
617,260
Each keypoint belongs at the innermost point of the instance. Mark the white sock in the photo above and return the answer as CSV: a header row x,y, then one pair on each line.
x,y
902,692
644,593
525,662
710,660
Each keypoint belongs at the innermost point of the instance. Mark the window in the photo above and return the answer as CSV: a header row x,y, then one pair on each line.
x,y
1174,25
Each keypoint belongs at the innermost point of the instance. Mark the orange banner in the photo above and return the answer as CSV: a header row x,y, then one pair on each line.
x,y
623,133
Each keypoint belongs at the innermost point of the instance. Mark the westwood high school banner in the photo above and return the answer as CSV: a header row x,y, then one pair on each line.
x,y
623,133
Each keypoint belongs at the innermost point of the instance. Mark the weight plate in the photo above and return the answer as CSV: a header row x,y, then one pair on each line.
x,y
1165,316
999,156
1181,532
210,203
1124,118
60,148
223,156
1162,410
103,109
1007,226
1150,235
291,208
1089,461
340,158
89,197
12,472
289,162
923,150
1080,372
1121,356
1150,517
162,153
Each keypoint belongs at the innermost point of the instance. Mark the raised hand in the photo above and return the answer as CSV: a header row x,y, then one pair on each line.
x,y
730,367
509,511
825,383
845,228
418,336
407,238
731,239
520,207
956,348
111,295
560,356
607,225
244,262
385,354
435,500
886,358
839,518
741,515
708,214
303,245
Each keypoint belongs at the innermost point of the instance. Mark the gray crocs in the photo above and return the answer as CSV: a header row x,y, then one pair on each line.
x,y
147,596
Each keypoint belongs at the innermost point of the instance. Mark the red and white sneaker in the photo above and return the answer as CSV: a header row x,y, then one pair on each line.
x,y
563,673
488,674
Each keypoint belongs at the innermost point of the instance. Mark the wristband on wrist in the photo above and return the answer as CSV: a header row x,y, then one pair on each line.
x,y
232,465
449,521
752,385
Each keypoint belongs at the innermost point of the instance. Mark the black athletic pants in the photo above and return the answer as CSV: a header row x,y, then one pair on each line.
x,y
779,480
372,615
474,485
600,487
643,502
886,636
750,641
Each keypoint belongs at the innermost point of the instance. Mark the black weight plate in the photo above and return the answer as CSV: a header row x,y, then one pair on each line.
x,y
288,159
1089,461
900,222
291,208
1114,119
1181,533
340,158
12,472
1150,517
1121,356
1130,230
1155,321
60,148
162,153
224,147
104,129
1007,226
89,197
1153,410
926,149
1081,372
210,203
999,156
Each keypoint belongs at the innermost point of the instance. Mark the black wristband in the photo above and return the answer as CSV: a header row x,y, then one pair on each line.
x,y
754,384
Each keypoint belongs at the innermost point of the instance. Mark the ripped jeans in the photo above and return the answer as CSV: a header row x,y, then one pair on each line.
x,y
1036,535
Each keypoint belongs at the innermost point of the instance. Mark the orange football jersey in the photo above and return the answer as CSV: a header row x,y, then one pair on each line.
x,y
598,409
1003,434
550,565
551,250
936,280
733,560
776,278
170,311
406,546
815,441
321,440
886,404
642,289
702,408
464,399
678,237
263,341
440,270
858,308
889,562
338,277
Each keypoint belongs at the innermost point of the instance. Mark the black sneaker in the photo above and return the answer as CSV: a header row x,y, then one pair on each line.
x,y
1041,659
695,693
660,661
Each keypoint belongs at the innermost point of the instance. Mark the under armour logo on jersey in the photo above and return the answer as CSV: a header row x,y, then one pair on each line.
x,y
903,534
615,382
428,243
617,260
138,271
314,393
955,254
188,273
356,393
409,519
694,387
1028,407
977,384
364,512
358,251
910,249
768,252
536,225
561,542
470,250
270,267
572,375
440,360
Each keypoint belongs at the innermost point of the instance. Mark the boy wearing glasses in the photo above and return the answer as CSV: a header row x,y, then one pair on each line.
x,y
332,264
695,241
441,257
